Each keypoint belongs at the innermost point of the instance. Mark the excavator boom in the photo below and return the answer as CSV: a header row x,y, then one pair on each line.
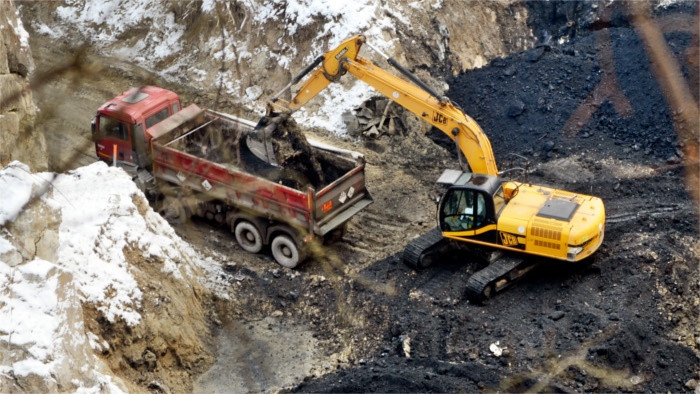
x,y
421,100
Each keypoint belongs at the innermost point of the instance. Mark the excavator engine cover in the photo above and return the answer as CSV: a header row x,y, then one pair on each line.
x,y
558,209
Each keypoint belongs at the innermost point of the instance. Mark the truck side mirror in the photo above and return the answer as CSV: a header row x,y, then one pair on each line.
x,y
93,129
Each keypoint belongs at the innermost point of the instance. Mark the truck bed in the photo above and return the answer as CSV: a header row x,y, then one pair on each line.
x,y
202,150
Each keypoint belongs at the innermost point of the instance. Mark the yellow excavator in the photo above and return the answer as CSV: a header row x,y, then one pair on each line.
x,y
479,207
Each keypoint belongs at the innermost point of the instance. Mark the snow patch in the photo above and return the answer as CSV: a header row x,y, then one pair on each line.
x,y
20,32
5,246
17,186
336,99
48,31
99,221
104,21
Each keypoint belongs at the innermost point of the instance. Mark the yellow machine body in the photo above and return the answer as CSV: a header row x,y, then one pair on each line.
x,y
520,227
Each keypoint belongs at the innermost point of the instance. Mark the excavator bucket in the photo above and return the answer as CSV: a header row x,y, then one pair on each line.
x,y
259,141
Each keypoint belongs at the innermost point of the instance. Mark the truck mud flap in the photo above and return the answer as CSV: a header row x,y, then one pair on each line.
x,y
342,217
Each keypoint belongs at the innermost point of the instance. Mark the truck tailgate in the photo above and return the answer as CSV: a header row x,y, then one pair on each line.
x,y
339,201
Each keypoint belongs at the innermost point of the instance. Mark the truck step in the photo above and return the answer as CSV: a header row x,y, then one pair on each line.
x,y
422,251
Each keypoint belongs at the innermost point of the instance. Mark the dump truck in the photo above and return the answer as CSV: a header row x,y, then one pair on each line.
x,y
193,161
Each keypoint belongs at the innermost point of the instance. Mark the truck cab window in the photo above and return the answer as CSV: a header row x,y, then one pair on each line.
x,y
175,108
112,128
157,117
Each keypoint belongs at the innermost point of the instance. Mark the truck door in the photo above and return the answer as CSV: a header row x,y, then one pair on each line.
x,y
468,213
142,157
111,132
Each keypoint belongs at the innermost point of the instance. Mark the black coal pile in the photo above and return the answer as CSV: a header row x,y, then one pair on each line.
x,y
300,165
569,96
297,160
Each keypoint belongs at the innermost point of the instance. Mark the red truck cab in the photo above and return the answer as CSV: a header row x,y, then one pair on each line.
x,y
125,120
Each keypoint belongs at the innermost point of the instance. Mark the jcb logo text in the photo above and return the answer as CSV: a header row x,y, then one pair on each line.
x,y
508,239
439,118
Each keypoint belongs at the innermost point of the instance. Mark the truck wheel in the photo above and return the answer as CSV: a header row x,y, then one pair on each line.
x,y
172,210
248,236
285,251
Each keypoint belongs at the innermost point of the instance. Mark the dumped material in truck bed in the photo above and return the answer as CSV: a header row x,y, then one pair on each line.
x,y
299,164
294,155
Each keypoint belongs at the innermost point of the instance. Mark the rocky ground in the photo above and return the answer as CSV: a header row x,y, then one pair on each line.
x,y
355,318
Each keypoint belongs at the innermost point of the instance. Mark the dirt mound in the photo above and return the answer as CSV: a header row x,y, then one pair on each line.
x,y
97,290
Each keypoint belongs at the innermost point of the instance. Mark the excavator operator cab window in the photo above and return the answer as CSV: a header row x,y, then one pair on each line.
x,y
462,210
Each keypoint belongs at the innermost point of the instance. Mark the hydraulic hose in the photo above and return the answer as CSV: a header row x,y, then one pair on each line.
x,y
299,76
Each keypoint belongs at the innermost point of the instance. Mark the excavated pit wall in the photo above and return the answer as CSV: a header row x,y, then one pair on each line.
x,y
17,111
265,44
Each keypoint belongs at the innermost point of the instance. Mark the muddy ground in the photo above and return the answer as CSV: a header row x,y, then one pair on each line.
x,y
356,319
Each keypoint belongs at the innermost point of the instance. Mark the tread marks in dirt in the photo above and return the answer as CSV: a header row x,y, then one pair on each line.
x,y
443,281
653,212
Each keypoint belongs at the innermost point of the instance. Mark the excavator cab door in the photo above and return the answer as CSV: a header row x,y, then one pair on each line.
x,y
466,211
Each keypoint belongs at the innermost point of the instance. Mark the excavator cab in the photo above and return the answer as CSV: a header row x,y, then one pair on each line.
x,y
464,209
468,208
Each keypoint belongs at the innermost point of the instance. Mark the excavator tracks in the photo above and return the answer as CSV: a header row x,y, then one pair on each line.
x,y
502,270
496,276
422,251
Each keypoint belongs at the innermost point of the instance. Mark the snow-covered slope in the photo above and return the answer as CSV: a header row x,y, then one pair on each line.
x,y
252,48
74,240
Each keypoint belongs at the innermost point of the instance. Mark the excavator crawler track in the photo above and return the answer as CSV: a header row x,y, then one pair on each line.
x,y
421,252
496,276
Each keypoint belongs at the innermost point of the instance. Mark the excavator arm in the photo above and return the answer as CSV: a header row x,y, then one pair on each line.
x,y
414,96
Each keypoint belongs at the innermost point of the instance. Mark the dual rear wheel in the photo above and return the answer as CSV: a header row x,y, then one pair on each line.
x,y
284,250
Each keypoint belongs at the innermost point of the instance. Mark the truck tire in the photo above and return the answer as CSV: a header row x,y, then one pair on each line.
x,y
285,251
248,236
172,210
